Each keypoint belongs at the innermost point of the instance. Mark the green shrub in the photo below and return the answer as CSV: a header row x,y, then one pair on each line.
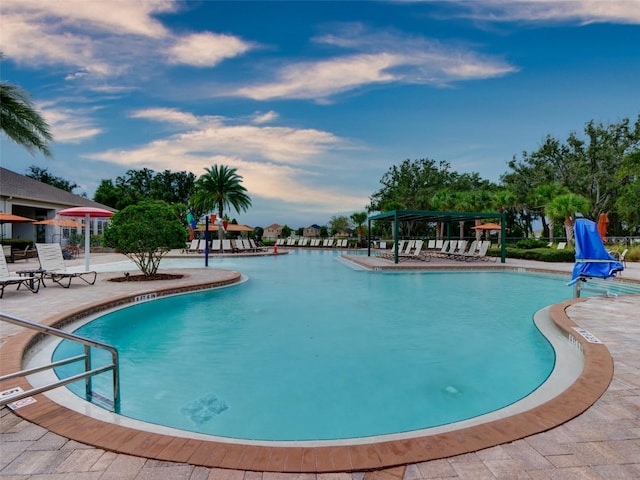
x,y
529,243
538,254
145,233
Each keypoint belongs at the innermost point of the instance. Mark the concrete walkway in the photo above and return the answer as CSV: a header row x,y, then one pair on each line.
x,y
602,443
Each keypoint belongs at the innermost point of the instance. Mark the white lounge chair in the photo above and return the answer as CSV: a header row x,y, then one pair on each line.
x,y
7,278
447,246
416,254
52,262
481,253
193,246
227,247
473,248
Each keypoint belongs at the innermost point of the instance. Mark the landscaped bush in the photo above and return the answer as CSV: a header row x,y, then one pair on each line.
x,y
529,243
17,243
539,254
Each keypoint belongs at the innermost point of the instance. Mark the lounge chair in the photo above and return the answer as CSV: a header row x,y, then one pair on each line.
x,y
52,262
431,245
7,278
28,252
193,246
255,247
481,253
473,247
447,246
416,254
227,247
215,246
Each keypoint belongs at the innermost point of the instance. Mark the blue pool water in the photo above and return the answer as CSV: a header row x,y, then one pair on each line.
x,y
311,349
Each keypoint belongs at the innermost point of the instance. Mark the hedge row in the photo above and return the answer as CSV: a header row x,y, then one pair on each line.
x,y
539,254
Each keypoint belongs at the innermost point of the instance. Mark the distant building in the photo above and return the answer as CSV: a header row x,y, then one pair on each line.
x,y
311,231
272,232
26,197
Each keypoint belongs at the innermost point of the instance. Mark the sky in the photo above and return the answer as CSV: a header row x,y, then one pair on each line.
x,y
313,102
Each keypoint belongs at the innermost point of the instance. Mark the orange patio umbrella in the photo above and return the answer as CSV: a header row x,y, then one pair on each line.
x,y
11,218
488,226
60,222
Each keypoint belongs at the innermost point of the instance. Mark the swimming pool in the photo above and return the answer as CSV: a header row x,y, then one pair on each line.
x,y
310,349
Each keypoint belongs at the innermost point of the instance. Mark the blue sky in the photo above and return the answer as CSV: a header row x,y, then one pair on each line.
x,y
312,102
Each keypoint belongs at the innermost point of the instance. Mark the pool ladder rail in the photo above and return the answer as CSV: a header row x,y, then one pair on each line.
x,y
87,375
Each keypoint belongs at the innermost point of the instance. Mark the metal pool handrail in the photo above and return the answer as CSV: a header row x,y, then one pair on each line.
x,y
89,371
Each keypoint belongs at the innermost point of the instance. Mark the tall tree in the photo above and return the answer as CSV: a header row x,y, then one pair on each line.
x,y
219,188
628,203
21,122
566,207
358,218
43,175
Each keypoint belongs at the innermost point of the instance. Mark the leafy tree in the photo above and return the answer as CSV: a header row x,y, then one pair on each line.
x,y
145,184
359,218
219,188
565,207
586,165
541,197
42,175
286,231
339,223
628,203
145,232
324,231
21,122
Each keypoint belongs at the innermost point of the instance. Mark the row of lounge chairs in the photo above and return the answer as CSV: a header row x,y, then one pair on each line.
x,y
227,246
451,249
52,267
312,242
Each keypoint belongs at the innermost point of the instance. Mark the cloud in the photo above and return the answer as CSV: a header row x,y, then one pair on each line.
x,y
275,162
259,118
69,125
206,49
114,16
380,58
106,39
582,11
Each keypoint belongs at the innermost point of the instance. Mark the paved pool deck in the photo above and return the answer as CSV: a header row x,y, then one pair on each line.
x,y
601,443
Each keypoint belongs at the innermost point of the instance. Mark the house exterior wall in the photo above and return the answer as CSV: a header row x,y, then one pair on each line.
x,y
311,231
272,232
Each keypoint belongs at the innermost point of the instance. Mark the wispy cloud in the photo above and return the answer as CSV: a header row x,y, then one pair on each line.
x,y
69,125
276,162
206,49
376,57
88,37
580,11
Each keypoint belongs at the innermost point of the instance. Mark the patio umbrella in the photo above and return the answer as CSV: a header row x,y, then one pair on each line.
x,y
231,227
60,222
488,226
11,218
87,213
603,224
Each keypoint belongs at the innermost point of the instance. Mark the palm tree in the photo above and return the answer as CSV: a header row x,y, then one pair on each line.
x,y
566,206
20,121
542,196
359,218
219,188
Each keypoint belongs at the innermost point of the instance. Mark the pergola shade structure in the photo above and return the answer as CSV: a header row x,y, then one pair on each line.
x,y
398,216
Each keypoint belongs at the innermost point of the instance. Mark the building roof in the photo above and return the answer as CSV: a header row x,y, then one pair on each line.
x,y
22,188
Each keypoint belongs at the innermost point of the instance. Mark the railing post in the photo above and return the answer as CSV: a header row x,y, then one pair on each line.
x,y
88,384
